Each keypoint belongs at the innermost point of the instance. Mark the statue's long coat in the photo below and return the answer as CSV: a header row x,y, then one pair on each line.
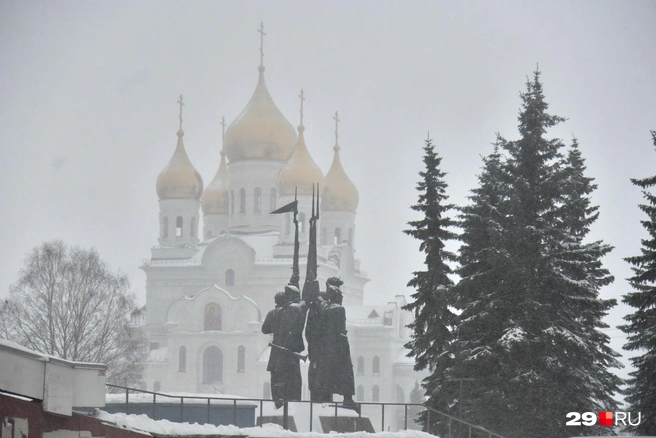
x,y
286,324
334,370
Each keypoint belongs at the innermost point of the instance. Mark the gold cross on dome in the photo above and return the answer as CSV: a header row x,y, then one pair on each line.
x,y
336,119
262,35
223,124
302,97
181,105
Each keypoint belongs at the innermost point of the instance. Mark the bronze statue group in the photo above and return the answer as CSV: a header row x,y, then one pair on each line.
x,y
323,318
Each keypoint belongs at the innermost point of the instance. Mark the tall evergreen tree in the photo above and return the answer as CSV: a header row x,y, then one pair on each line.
x,y
641,327
433,320
580,312
528,330
483,266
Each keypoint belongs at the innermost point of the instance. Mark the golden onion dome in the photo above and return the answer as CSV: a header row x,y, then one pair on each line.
x,y
339,192
179,179
300,171
215,195
260,131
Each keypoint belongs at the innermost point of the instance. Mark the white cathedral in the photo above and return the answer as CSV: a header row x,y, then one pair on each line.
x,y
207,294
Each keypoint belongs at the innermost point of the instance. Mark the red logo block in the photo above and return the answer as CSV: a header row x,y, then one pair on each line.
x,y
605,418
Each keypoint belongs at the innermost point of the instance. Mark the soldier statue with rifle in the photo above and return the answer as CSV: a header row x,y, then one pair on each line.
x,y
331,370
335,369
286,323
284,361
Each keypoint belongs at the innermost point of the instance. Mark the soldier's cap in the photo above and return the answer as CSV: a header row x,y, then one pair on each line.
x,y
334,281
334,289
292,288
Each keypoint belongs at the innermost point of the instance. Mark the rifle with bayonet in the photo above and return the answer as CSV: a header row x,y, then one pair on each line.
x,y
303,357
312,267
292,207
311,286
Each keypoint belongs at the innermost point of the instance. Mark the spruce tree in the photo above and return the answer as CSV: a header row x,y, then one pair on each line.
x,y
483,266
433,316
528,330
641,327
578,318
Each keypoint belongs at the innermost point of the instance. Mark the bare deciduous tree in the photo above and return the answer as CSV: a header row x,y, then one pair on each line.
x,y
68,303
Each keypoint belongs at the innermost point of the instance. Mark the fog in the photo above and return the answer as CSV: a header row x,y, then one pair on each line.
x,y
89,114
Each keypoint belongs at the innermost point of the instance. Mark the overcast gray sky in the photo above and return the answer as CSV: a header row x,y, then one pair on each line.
x,y
89,114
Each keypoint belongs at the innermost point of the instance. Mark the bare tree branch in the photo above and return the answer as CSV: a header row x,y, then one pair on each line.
x,y
68,303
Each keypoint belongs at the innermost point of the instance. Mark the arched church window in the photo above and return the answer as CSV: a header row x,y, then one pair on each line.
x,y
242,200
376,366
375,393
232,202
301,222
230,277
359,394
165,227
266,390
157,387
194,227
324,236
360,366
272,199
212,365
178,226
241,359
257,204
212,317
350,237
182,359
338,236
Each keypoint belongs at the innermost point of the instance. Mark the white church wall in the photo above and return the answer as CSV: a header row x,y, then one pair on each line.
x,y
181,375
251,174
368,348
168,282
331,222
215,225
156,372
188,210
229,313
228,253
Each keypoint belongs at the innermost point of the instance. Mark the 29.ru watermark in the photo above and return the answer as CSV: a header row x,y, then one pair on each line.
x,y
603,419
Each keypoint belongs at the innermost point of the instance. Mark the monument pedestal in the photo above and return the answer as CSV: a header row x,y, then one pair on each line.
x,y
346,424
279,420
324,419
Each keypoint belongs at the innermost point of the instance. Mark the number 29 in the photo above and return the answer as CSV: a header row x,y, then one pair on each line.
x,y
585,419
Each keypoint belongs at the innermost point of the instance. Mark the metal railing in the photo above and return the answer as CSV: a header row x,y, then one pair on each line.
x,y
452,423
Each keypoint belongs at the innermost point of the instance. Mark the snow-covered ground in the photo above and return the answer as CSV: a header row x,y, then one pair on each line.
x,y
301,414
394,415
143,423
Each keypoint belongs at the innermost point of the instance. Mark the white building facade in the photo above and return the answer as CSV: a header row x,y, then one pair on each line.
x,y
212,278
